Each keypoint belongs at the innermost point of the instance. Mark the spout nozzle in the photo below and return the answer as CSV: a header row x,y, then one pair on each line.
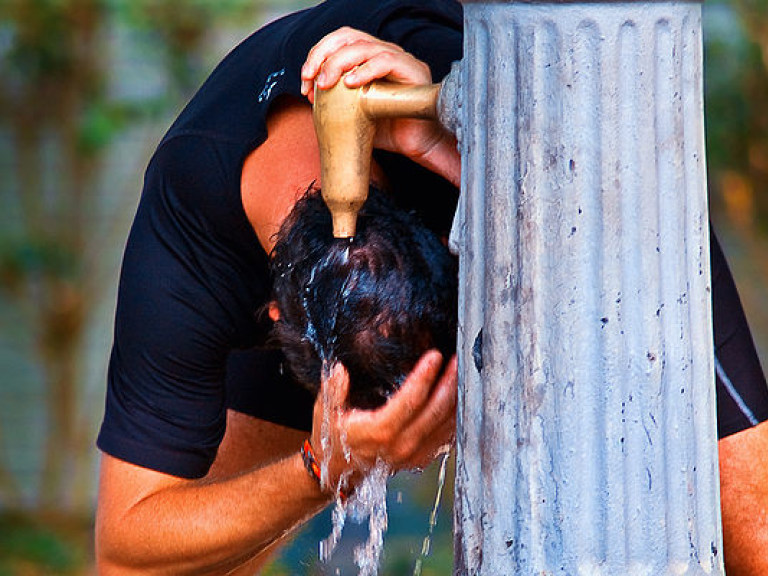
x,y
345,125
344,223
345,138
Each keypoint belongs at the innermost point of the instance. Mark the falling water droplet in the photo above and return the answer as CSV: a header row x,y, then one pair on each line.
x,y
426,546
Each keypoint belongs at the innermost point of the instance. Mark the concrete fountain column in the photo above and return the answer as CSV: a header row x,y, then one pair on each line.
x,y
586,434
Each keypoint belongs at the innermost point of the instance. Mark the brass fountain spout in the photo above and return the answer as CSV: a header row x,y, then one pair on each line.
x,y
345,123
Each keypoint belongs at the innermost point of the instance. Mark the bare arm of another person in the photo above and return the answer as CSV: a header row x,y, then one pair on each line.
x,y
152,523
744,500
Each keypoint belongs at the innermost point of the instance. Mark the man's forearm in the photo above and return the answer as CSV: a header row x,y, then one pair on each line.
x,y
200,527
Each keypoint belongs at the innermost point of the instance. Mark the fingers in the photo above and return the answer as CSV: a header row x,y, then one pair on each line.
x,y
367,57
329,45
412,397
441,407
396,66
437,423
407,432
410,428
351,56
435,426
375,431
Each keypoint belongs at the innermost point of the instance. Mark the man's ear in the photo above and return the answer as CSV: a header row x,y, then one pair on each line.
x,y
273,311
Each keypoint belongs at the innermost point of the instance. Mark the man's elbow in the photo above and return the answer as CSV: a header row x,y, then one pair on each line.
x,y
121,547
111,552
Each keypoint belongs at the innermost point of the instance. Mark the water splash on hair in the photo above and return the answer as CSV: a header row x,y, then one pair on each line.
x,y
323,338
369,499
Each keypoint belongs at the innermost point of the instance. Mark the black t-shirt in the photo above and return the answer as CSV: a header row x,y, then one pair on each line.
x,y
190,329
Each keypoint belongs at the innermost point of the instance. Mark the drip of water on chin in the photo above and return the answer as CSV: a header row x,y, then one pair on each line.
x,y
426,545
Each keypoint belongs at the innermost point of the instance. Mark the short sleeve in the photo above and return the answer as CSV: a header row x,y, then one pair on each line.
x,y
185,299
742,395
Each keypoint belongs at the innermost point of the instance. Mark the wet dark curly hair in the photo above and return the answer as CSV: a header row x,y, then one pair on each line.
x,y
375,303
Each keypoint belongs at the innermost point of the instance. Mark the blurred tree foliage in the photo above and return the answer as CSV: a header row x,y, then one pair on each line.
x,y
736,79
57,108
31,549
736,92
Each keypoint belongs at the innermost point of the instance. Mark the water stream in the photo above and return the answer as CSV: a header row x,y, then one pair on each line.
x,y
369,500
427,543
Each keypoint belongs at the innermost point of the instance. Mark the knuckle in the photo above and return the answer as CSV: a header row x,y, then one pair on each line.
x,y
424,68
357,44
347,35
386,57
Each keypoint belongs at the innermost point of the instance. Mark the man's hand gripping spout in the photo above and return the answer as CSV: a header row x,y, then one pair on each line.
x,y
357,59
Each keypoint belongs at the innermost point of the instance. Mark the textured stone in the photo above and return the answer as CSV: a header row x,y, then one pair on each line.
x,y
587,440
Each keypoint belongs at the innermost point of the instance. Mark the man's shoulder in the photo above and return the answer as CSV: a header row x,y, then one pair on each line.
x,y
189,165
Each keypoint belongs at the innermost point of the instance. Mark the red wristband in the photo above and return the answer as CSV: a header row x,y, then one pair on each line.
x,y
313,467
310,462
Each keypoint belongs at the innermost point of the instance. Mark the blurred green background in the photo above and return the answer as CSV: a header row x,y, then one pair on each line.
x,y
87,88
